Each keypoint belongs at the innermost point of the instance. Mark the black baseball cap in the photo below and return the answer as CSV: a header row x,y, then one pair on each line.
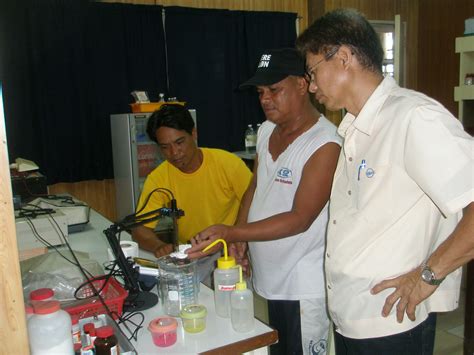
x,y
275,65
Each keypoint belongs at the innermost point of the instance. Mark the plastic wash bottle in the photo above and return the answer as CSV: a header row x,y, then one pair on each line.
x,y
226,275
241,306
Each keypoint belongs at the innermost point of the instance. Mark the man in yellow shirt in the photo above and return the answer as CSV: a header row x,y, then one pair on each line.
x,y
207,184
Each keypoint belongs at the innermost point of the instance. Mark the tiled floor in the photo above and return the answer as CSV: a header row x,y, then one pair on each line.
x,y
450,331
449,328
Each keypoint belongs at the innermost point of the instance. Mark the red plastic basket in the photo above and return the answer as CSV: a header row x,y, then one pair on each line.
x,y
112,293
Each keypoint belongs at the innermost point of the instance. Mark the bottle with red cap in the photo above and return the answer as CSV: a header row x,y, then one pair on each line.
x,y
29,311
89,338
76,330
106,342
49,330
41,294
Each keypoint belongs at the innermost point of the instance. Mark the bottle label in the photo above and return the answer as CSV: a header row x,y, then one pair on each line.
x,y
114,350
251,140
226,288
76,336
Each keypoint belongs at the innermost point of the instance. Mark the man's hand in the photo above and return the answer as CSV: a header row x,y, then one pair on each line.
x,y
201,240
410,290
163,249
239,251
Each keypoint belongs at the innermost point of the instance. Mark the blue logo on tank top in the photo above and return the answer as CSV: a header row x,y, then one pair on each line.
x,y
284,175
318,347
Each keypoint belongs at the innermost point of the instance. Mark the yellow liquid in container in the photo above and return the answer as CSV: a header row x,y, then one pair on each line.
x,y
194,318
194,325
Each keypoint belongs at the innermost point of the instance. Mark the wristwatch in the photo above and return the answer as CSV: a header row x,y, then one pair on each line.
x,y
429,276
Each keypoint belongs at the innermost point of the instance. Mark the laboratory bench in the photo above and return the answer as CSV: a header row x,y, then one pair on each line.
x,y
217,338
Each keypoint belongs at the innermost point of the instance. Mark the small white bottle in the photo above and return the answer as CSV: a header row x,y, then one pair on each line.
x,y
226,275
241,307
162,97
49,330
250,139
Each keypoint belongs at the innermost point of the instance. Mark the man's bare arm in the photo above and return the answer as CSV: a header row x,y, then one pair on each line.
x,y
148,240
311,196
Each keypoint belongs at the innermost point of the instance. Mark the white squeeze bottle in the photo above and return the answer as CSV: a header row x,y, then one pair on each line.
x,y
241,307
226,275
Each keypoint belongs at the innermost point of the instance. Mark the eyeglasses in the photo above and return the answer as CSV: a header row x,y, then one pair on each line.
x,y
310,76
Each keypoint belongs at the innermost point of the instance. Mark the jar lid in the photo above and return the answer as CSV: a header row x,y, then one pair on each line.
x,y
163,324
105,331
193,311
41,294
46,307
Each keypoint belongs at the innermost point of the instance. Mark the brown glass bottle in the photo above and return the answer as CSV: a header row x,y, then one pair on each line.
x,y
106,342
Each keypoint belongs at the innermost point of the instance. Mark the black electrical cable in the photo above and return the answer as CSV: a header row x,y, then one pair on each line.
x,y
48,244
138,326
87,275
163,190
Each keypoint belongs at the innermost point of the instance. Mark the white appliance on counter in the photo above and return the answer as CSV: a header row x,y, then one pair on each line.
x,y
134,156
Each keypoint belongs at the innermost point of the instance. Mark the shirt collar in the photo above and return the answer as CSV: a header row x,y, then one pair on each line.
x,y
365,121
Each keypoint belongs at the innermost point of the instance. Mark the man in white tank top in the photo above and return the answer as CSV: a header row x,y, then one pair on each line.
x,y
284,212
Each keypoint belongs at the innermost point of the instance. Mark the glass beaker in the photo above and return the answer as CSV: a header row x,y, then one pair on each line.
x,y
178,284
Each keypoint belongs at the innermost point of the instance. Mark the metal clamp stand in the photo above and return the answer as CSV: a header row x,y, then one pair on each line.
x,y
138,300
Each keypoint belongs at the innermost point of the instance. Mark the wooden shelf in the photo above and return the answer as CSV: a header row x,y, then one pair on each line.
x,y
465,44
463,92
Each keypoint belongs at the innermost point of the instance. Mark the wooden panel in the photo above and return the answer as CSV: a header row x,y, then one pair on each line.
x,y
469,316
13,335
438,64
384,10
300,7
98,194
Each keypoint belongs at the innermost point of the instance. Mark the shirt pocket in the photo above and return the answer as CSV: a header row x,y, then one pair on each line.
x,y
374,196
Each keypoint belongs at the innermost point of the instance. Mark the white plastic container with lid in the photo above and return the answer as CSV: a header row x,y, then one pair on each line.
x,y
29,311
49,330
226,275
241,307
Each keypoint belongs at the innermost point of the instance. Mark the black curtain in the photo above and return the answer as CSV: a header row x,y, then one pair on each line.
x,y
66,65
211,52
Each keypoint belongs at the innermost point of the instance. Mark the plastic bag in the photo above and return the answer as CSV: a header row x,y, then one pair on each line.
x,y
53,271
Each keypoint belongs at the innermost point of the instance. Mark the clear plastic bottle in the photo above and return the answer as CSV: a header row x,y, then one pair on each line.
x,y
49,330
106,342
226,275
241,307
162,97
250,139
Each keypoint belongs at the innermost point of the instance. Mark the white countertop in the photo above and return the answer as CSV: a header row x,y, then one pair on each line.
x,y
218,332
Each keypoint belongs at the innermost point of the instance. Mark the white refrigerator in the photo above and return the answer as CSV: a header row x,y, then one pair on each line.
x,y
134,157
